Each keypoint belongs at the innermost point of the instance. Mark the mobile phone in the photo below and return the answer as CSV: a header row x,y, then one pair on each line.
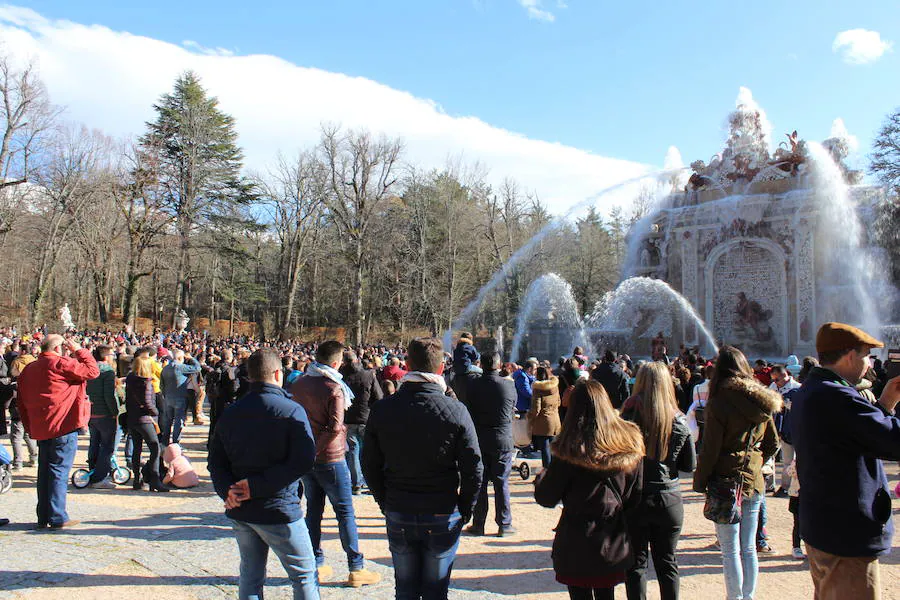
x,y
892,364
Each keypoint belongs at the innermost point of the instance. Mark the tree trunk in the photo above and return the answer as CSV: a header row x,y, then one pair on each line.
x,y
357,295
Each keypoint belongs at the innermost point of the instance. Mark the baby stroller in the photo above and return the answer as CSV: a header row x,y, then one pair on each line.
x,y
5,470
525,455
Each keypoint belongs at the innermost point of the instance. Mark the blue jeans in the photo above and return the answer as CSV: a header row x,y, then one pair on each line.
x,y
332,480
102,446
541,444
290,542
762,534
170,427
739,559
355,435
423,548
55,458
497,466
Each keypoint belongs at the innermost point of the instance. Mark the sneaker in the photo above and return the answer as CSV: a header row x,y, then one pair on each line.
x,y
780,493
764,548
475,530
4,522
30,462
17,467
104,484
357,491
325,572
66,525
798,554
363,577
506,531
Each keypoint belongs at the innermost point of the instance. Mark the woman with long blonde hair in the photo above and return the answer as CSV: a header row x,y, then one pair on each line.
x,y
596,474
656,525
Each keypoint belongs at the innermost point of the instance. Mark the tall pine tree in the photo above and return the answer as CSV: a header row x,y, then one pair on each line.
x,y
195,144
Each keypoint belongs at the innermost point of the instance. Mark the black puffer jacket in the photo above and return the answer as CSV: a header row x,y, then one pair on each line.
x,y
420,452
366,391
491,401
661,477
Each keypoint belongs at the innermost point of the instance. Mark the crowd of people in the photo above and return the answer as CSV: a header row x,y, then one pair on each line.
x,y
429,431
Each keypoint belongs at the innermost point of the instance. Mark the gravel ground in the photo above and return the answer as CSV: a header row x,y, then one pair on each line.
x,y
179,546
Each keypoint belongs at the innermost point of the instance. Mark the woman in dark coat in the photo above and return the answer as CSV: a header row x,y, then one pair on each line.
x,y
656,524
543,416
140,406
596,474
739,436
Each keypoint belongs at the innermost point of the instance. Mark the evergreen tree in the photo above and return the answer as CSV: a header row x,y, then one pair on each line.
x,y
199,164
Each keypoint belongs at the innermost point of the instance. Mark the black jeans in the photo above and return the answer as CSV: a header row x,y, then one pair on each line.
x,y
497,466
143,433
655,530
794,507
578,593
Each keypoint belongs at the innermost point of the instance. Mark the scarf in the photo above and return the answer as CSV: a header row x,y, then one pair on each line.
x,y
420,377
317,369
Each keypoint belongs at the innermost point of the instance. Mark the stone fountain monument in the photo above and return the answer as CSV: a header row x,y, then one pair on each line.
x,y
752,241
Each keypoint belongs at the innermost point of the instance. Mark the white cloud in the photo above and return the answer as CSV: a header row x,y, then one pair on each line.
x,y
200,49
536,12
860,46
110,80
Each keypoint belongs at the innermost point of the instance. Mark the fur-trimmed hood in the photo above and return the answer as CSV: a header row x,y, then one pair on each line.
x,y
749,398
613,463
465,340
546,387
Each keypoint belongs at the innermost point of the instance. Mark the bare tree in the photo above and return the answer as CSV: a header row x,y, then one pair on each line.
x,y
293,193
67,186
362,174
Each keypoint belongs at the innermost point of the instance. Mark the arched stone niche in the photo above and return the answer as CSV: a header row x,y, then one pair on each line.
x,y
747,296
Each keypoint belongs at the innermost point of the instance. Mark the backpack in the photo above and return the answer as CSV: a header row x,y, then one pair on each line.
x,y
783,419
700,417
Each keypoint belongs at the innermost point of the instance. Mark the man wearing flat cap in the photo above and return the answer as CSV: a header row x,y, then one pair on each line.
x,y
840,440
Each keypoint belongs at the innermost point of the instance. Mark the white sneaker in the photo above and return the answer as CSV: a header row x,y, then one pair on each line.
x,y
105,484
798,554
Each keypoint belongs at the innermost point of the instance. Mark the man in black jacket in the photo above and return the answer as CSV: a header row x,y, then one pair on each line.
x,y
365,388
263,445
613,379
422,462
491,401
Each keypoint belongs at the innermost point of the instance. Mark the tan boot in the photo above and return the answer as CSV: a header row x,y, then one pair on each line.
x,y
199,417
325,572
363,577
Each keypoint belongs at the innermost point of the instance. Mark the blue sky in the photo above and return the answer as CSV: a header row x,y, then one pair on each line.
x,y
619,80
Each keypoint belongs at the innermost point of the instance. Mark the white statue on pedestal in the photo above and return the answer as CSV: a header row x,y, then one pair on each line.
x,y
181,320
65,316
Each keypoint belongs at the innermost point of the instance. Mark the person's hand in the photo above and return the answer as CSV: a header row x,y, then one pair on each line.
x,y
72,345
230,502
890,396
240,490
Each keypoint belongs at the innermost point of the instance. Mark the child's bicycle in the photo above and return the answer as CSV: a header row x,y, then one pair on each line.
x,y
5,470
82,477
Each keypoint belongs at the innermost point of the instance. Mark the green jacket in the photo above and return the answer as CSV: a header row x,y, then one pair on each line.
x,y
102,393
741,406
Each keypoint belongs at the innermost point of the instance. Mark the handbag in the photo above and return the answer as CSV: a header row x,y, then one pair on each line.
x,y
725,495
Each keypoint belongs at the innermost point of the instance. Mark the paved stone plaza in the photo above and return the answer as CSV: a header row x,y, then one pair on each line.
x,y
179,546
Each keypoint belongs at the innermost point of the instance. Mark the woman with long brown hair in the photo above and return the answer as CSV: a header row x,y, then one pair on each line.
x,y
596,474
739,436
656,524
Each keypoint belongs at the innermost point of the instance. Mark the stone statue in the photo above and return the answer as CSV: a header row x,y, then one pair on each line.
x,y
181,320
65,317
658,348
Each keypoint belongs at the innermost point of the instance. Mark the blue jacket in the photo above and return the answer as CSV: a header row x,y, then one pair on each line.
x,y
174,378
840,439
523,389
265,438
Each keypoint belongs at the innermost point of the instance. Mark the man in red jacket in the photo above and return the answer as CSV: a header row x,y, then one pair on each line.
x,y
53,406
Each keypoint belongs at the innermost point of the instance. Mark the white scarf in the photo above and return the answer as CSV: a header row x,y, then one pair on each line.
x,y
420,377
317,369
